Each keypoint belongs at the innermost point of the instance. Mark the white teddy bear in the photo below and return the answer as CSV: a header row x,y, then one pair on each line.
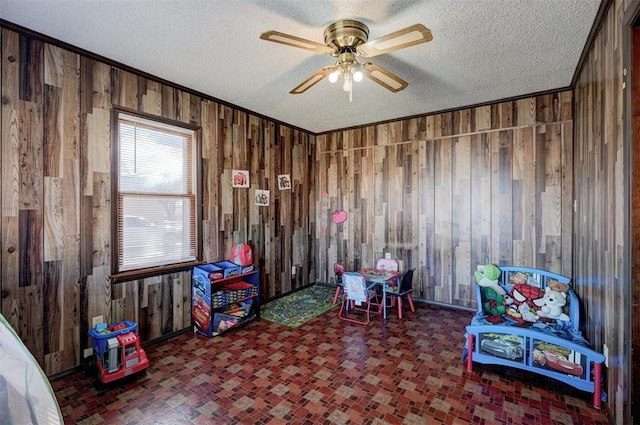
x,y
553,303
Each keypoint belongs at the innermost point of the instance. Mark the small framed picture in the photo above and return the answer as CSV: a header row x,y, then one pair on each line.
x,y
262,198
284,182
240,178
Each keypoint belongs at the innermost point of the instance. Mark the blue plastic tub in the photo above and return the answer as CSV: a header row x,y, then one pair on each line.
x,y
228,268
99,340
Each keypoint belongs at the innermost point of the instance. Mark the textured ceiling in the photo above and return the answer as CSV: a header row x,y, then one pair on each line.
x,y
482,50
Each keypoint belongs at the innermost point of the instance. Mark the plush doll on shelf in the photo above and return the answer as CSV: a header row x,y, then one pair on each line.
x,y
553,303
492,302
487,277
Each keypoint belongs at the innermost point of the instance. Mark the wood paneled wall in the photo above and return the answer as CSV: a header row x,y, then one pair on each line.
x,y
56,181
601,254
445,193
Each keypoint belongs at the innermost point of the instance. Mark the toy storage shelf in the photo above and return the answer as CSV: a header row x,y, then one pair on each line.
x,y
223,304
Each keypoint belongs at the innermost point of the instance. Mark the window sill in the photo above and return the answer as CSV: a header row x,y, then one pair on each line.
x,y
152,271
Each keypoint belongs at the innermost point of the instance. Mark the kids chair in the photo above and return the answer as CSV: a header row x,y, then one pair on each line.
x,y
356,297
338,269
403,290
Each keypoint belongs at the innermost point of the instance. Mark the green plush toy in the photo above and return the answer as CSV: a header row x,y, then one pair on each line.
x,y
488,276
492,302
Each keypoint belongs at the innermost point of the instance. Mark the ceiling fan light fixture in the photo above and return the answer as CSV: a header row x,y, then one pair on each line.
x,y
333,77
357,75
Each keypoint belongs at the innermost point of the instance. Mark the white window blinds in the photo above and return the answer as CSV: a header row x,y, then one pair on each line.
x,y
156,195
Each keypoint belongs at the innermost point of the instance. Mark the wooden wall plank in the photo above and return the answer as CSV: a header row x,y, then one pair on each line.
x,y
526,112
10,125
53,65
10,270
31,247
481,200
53,219
70,171
442,202
31,320
151,98
53,127
31,69
31,160
501,196
52,310
426,271
124,90
567,193
461,219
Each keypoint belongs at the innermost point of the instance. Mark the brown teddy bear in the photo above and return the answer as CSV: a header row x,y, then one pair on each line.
x,y
557,286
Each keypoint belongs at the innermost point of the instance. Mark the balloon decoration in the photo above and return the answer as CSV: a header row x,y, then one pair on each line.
x,y
339,216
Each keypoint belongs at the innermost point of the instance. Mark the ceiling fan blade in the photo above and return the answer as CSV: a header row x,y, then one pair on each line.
x,y
313,80
292,40
409,36
383,77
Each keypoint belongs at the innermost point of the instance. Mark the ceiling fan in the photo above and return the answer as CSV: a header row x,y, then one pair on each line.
x,y
346,40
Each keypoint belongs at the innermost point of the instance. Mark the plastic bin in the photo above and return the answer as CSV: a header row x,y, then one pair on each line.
x,y
228,268
223,322
241,290
212,271
99,340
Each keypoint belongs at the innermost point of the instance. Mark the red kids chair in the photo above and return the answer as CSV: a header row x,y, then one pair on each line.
x,y
338,269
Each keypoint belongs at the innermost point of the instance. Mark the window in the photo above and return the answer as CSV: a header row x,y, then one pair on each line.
x,y
156,195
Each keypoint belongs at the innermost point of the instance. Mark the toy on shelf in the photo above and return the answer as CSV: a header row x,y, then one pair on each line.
x,y
116,352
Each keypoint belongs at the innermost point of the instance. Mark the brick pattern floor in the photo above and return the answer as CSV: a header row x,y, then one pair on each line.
x,y
327,371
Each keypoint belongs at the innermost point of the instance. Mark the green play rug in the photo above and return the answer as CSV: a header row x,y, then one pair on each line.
x,y
301,306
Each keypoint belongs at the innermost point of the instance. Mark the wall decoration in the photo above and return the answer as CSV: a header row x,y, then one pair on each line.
x,y
324,205
284,181
262,198
240,178
339,216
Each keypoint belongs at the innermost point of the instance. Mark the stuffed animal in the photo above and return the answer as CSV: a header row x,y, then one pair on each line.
x,y
488,276
507,300
511,309
492,302
527,313
557,286
527,300
527,294
553,303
